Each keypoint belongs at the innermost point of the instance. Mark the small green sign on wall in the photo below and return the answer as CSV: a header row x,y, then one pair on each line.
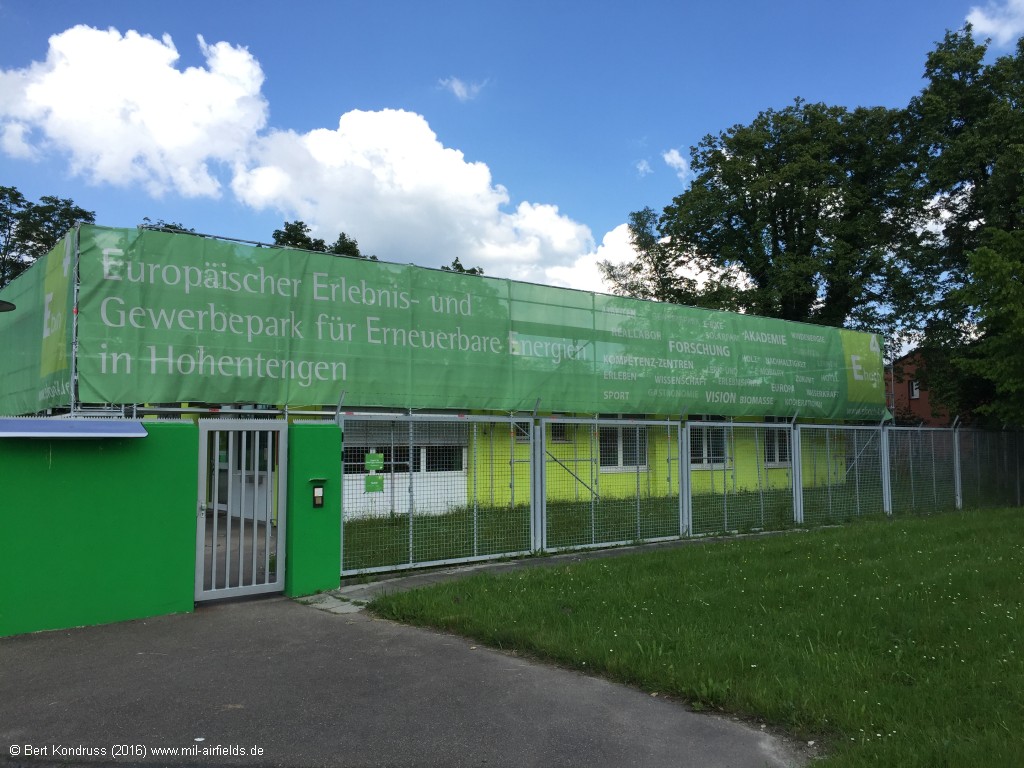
x,y
374,484
374,462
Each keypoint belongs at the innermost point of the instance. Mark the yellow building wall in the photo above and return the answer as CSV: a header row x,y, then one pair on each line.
x,y
499,470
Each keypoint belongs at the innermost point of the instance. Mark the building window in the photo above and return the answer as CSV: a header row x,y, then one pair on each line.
x,y
915,390
400,460
521,429
622,448
707,443
396,459
560,432
443,458
776,442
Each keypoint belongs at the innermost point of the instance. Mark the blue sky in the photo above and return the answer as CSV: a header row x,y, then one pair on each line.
x,y
517,137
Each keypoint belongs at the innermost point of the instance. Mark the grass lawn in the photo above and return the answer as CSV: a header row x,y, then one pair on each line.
x,y
892,643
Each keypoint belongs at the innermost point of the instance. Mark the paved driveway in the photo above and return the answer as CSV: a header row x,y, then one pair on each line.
x,y
304,687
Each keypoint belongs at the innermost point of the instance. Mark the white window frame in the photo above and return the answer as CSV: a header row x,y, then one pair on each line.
x,y
706,459
416,464
774,439
620,466
914,390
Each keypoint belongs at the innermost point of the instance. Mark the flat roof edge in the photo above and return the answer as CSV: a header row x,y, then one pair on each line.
x,y
63,428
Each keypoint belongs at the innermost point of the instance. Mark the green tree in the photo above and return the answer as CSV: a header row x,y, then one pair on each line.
x,y
969,139
801,215
29,230
296,234
456,266
167,226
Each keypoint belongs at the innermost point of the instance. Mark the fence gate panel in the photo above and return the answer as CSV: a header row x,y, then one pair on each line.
x,y
610,481
427,490
240,531
841,473
990,468
922,469
741,476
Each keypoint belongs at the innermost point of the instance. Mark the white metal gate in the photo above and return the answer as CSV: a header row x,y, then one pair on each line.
x,y
240,527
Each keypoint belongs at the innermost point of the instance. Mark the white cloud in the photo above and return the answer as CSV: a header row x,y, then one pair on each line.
x,y
125,115
643,168
583,273
677,163
14,141
1003,22
385,178
462,90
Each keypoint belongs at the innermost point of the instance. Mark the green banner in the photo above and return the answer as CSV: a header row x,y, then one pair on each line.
x,y
175,317
35,363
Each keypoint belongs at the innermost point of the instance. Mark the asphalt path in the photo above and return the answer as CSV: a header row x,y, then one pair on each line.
x,y
275,682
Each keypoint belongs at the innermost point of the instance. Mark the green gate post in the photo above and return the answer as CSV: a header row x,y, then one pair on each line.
x,y
313,543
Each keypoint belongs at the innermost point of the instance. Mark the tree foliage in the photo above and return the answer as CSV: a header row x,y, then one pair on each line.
x,y
166,226
795,216
29,230
456,266
970,121
296,234
905,221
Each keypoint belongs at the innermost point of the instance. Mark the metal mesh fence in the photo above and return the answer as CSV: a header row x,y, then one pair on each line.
x,y
840,473
990,468
922,470
418,491
610,481
741,477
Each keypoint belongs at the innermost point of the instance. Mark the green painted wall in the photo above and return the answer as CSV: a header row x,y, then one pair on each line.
x,y
97,531
313,552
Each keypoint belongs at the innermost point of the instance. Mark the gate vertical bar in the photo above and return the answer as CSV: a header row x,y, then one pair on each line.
x,y
232,438
216,503
271,482
244,461
256,502
202,510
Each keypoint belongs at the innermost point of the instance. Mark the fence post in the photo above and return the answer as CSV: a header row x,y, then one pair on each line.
x,y
796,452
958,485
685,490
886,468
538,485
